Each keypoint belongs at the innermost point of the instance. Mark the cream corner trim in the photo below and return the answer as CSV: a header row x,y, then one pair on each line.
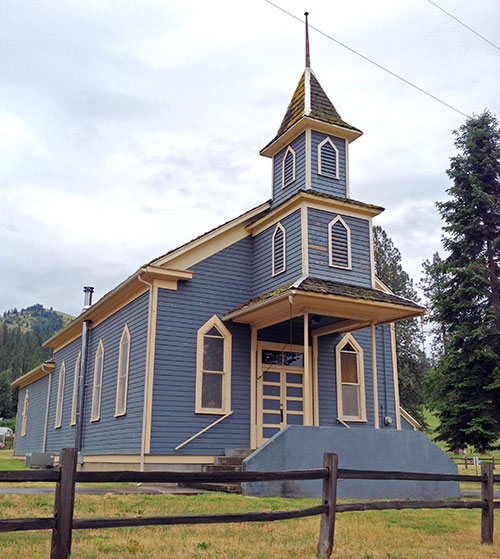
x,y
60,396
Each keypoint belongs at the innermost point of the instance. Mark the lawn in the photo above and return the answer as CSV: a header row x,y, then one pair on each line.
x,y
420,534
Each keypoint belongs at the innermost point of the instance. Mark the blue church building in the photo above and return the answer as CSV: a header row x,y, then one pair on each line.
x,y
273,319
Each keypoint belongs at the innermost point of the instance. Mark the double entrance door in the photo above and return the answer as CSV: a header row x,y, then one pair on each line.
x,y
280,388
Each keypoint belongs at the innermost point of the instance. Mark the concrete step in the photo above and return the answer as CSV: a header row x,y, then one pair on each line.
x,y
228,461
238,452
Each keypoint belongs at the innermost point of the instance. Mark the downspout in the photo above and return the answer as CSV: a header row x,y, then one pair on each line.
x,y
83,369
146,370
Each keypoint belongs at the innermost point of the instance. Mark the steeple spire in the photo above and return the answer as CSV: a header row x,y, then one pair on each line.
x,y
308,59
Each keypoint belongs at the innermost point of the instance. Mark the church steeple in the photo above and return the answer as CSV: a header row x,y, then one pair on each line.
x,y
314,135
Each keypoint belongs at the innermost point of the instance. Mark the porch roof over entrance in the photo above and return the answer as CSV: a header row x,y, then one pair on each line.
x,y
357,306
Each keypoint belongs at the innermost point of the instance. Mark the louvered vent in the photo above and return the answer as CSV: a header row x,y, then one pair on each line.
x,y
328,159
279,250
339,245
289,167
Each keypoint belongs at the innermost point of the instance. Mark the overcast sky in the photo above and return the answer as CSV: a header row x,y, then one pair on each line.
x,y
130,127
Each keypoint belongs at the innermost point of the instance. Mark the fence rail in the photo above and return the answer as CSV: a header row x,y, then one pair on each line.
x,y
62,522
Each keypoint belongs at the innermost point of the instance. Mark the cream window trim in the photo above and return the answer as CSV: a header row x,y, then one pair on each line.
x,y
60,396
361,417
122,373
216,323
25,414
276,270
339,219
320,168
283,163
97,385
74,401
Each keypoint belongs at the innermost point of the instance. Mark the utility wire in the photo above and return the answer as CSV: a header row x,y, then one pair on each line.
x,y
464,24
373,62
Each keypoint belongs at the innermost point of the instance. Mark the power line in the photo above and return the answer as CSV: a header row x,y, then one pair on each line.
x,y
464,24
372,62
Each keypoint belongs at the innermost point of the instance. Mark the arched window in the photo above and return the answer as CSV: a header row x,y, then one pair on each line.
x,y
74,402
25,414
350,380
122,378
213,368
339,243
288,167
279,250
328,159
97,387
60,396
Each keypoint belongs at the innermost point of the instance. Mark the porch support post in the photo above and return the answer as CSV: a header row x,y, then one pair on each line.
x,y
253,388
374,374
307,375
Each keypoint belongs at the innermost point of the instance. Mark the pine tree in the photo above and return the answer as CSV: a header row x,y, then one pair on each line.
x,y
468,304
411,360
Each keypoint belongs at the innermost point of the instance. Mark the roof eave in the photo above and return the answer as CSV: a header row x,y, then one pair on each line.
x,y
36,373
279,142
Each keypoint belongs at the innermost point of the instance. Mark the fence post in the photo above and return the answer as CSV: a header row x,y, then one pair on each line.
x,y
63,505
329,497
493,460
487,514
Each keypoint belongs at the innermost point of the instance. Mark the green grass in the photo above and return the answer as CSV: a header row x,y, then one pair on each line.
x,y
7,462
407,534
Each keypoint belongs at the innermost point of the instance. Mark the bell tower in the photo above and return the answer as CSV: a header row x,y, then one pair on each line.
x,y
311,148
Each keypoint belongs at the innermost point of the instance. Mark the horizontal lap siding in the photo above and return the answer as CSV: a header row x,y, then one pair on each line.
x,y
220,283
33,440
118,435
385,376
328,185
63,436
264,281
327,380
280,194
360,273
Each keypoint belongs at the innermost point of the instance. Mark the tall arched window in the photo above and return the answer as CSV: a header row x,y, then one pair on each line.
x,y
25,414
97,387
279,250
328,159
74,402
288,167
213,368
122,377
339,244
350,380
60,396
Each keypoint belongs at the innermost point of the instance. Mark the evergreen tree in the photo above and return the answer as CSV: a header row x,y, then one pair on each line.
x,y
411,360
468,304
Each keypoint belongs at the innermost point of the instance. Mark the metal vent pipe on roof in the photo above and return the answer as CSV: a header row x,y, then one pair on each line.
x,y
87,302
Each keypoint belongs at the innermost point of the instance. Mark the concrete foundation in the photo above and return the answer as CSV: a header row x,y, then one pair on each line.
x,y
298,447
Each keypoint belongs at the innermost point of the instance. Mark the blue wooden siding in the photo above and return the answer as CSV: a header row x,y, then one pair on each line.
x,y
327,382
263,280
280,194
109,435
406,425
328,185
220,283
386,398
360,273
33,440
65,435
112,435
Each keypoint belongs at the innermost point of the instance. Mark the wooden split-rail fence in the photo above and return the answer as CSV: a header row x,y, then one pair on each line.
x,y
62,522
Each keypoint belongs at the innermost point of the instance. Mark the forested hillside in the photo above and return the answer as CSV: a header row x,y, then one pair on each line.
x,y
21,336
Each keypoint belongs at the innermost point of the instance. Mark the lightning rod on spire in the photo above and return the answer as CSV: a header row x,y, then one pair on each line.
x,y
308,60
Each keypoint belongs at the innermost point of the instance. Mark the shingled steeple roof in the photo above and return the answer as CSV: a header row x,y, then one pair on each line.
x,y
310,101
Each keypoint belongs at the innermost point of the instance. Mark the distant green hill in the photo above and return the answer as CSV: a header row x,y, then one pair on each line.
x,y
21,336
